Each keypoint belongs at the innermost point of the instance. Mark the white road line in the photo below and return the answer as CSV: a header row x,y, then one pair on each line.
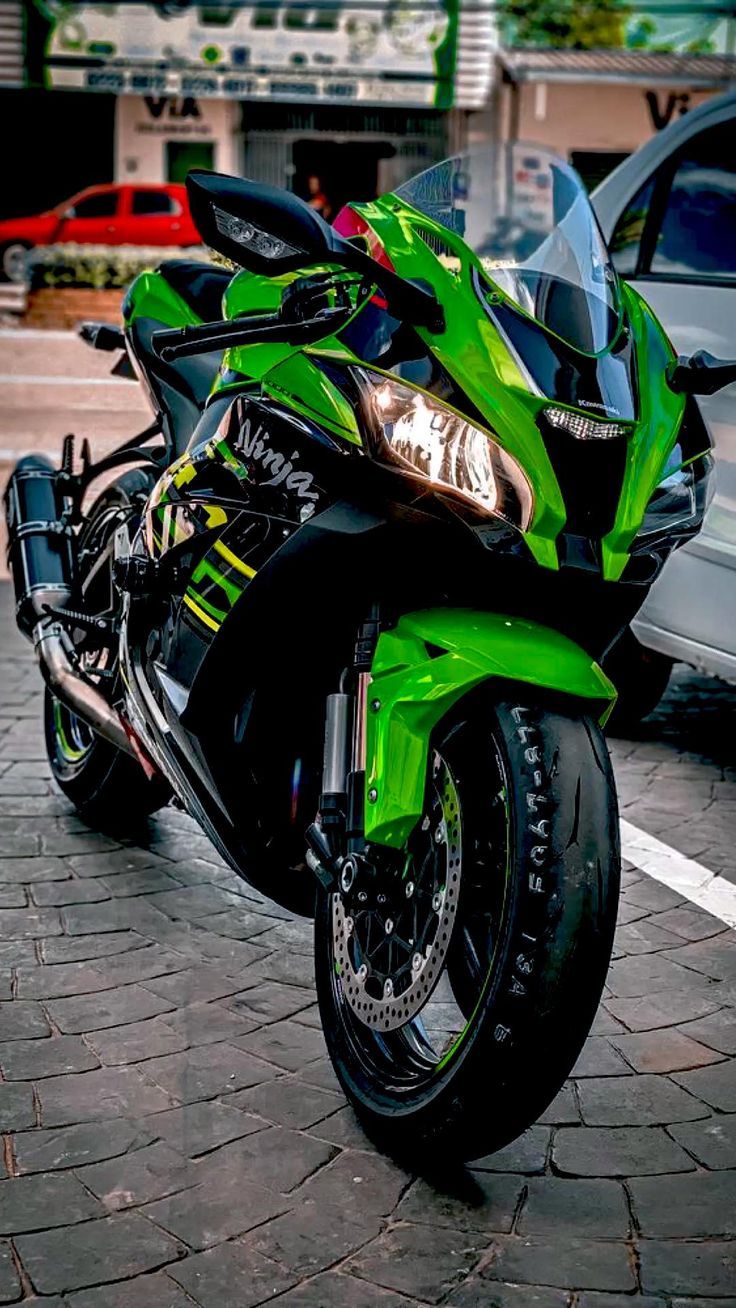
x,y
45,379
683,875
37,334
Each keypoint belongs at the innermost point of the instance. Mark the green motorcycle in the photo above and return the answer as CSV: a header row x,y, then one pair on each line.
x,y
410,479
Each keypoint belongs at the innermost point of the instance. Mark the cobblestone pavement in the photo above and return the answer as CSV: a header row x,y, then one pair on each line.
x,y
173,1133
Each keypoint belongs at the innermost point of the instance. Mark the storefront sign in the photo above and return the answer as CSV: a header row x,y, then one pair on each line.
x,y
335,51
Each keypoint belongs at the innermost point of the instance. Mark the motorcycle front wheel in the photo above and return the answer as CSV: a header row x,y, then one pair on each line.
x,y
458,978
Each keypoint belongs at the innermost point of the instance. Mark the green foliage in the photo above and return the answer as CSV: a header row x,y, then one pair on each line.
x,y
559,24
99,267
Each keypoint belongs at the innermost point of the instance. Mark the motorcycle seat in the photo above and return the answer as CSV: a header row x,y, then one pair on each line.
x,y
201,285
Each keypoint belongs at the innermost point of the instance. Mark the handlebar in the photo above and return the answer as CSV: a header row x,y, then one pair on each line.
x,y
172,345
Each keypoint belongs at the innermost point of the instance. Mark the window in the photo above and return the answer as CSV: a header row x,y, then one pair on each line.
x,y
153,202
626,239
101,204
682,223
697,234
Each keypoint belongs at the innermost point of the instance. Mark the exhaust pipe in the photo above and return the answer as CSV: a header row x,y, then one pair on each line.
x,y
41,558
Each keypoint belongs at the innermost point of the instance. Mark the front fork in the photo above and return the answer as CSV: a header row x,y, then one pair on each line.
x,y
339,834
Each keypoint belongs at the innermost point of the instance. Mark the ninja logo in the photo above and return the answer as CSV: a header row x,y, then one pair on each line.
x,y
254,444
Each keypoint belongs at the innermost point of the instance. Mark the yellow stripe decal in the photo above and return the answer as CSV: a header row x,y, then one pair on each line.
x,y
234,561
200,613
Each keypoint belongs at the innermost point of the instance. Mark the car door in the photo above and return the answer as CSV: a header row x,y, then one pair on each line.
x,y
93,218
676,242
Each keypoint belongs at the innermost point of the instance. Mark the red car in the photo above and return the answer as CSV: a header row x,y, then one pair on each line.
x,y
101,215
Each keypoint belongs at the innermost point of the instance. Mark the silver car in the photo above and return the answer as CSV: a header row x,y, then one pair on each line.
x,y
669,215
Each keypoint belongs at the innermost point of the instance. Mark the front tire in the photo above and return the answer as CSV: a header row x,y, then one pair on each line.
x,y
13,264
535,848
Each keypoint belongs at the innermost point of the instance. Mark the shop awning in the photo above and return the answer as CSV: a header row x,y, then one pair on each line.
x,y
634,67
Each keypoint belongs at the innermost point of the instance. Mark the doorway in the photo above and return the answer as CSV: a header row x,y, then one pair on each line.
x,y
183,156
329,175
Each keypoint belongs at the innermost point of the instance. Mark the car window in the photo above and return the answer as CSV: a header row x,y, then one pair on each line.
x,y
697,230
627,235
154,202
102,204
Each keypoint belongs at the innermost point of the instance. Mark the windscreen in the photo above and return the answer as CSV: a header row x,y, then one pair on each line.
x,y
526,215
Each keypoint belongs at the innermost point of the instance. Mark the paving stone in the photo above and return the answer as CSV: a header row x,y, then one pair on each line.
x,y
114,915
78,949
358,1183
275,1157
342,1128
207,1071
336,1290
475,1293
197,1129
289,1102
10,1287
712,1142
617,1151
717,1031
566,1262
700,1204
58,980
563,1110
131,859
599,1058
60,893
195,901
646,974
649,1012
644,937
423,1261
136,1041
479,1202
596,1299
17,1109
145,881
151,962
714,958
142,1292
109,1008
75,1146
271,1001
239,924
29,1060
32,1203
215,1210
527,1154
18,845
690,923
21,871
716,1085
14,953
110,1249
22,1019
29,923
688,1267
286,1044
604,1024
139,1177
206,1024
636,1101
664,1051
95,1096
194,985
653,896
312,1237
556,1207
231,1276
293,969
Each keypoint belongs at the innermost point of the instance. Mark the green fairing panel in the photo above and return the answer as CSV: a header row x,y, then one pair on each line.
x,y
415,689
651,442
150,296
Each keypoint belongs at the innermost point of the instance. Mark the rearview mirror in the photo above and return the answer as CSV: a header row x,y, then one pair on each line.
x,y
701,374
270,232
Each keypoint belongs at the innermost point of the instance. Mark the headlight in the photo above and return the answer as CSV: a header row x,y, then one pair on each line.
x,y
420,435
679,503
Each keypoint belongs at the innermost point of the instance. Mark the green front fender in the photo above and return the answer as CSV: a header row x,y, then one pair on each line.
x,y
424,666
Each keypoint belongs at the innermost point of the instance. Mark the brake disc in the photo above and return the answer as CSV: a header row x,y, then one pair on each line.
x,y
387,1000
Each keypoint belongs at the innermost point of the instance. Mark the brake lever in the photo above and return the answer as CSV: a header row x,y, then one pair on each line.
x,y
170,345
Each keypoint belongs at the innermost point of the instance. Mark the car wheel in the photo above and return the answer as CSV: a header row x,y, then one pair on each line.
x,y
13,258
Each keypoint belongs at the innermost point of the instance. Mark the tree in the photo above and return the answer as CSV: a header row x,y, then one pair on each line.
x,y
565,24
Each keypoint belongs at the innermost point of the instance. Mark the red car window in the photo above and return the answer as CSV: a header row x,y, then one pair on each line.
x,y
154,202
101,204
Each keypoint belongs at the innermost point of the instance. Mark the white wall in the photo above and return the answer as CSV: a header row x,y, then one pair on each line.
x,y
144,125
